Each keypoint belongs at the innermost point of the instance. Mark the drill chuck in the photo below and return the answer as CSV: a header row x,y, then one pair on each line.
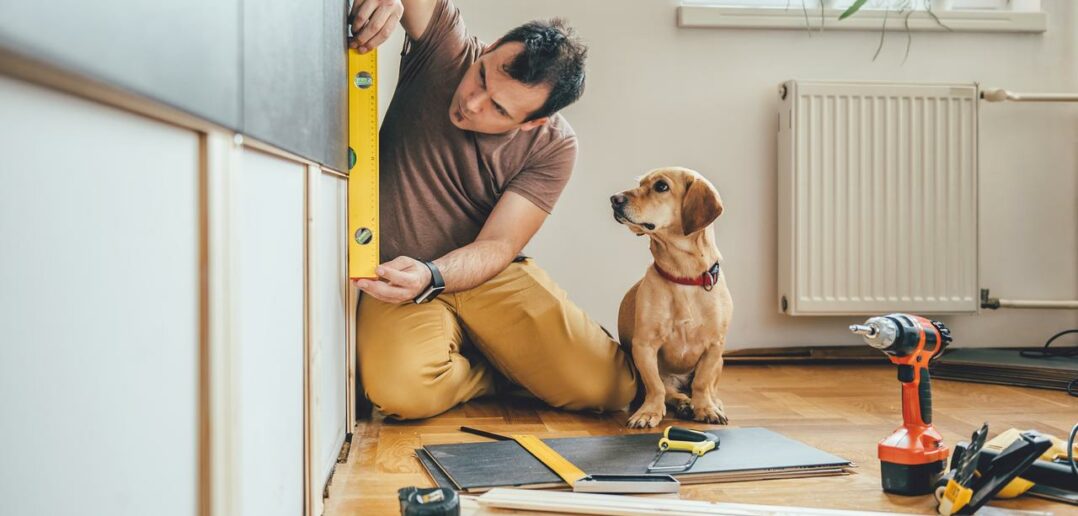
x,y
878,332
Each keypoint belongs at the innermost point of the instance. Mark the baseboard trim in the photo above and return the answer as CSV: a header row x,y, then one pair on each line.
x,y
803,354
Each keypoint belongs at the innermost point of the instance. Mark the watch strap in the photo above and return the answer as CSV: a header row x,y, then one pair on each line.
x,y
436,279
436,286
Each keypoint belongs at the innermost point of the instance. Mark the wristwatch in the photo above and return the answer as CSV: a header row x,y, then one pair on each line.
x,y
437,285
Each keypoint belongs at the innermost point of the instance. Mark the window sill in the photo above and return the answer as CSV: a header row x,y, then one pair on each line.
x,y
730,17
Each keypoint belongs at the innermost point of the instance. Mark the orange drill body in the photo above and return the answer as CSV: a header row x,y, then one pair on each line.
x,y
914,455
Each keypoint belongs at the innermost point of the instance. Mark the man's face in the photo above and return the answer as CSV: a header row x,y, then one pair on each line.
x,y
489,101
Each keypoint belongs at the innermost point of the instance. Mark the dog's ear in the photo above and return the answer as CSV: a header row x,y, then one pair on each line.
x,y
699,207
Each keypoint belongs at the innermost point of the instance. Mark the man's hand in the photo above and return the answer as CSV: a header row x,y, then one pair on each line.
x,y
372,22
402,279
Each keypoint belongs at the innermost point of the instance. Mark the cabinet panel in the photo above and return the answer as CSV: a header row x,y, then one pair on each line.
x,y
269,332
185,54
284,102
99,309
332,135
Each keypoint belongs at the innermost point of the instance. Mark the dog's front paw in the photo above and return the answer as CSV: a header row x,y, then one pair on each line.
x,y
647,417
710,413
685,411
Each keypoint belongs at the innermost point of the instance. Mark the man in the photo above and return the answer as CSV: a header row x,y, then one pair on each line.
x,y
473,158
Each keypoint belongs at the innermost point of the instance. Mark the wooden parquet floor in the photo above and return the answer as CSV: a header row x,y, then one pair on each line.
x,y
842,409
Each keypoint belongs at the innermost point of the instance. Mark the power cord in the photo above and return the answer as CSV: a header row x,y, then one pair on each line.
x,y
1070,451
1046,352
1072,387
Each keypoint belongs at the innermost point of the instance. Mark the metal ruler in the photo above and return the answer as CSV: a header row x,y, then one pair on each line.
x,y
363,244
552,459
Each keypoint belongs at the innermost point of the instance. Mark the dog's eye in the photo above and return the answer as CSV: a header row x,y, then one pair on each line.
x,y
661,186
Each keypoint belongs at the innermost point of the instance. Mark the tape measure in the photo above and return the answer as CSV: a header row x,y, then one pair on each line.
x,y
438,501
363,241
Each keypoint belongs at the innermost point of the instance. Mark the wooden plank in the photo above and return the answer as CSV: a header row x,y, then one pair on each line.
x,y
223,157
312,371
587,503
205,374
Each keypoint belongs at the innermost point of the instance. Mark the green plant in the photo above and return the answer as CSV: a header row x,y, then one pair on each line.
x,y
905,7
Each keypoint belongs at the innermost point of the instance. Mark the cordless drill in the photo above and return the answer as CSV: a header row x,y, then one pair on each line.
x,y
913,457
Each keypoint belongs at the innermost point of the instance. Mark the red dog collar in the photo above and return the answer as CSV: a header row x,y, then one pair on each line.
x,y
707,279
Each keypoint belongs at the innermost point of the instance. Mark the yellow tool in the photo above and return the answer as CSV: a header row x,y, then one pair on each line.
x,y
676,438
975,478
552,459
958,491
363,242
1018,486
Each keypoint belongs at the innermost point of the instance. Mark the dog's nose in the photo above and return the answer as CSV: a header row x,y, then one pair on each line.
x,y
618,200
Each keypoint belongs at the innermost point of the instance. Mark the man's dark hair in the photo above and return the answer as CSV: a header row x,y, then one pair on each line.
x,y
553,55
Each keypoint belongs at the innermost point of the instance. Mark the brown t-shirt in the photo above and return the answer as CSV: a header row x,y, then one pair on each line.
x,y
440,183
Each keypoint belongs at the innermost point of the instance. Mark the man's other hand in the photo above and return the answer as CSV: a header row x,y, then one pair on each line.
x,y
372,21
400,280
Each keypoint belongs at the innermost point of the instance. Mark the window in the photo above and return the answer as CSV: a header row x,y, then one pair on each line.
x,y
949,15
937,5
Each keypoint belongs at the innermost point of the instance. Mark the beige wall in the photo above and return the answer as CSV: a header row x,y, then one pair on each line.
x,y
659,95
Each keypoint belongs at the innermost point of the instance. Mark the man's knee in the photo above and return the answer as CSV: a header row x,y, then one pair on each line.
x,y
406,394
406,359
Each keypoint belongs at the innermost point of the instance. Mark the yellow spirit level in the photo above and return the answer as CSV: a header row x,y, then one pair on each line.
x,y
364,237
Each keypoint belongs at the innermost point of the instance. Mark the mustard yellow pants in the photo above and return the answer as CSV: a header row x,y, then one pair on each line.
x,y
417,361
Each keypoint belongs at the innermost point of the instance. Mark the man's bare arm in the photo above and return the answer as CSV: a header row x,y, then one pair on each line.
x,y
373,21
508,229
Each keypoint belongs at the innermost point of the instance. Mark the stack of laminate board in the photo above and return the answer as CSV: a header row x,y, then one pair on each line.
x,y
1005,366
498,500
743,454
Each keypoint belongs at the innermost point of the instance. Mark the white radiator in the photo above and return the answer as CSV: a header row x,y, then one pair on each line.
x,y
877,198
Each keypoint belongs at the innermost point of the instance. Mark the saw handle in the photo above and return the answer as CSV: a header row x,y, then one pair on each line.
x,y
676,438
678,433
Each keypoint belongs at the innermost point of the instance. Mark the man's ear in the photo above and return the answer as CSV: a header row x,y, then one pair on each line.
x,y
700,207
492,46
532,124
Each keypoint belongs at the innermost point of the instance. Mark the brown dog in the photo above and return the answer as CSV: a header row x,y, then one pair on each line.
x,y
675,318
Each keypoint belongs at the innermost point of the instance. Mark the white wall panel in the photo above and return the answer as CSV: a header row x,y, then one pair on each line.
x,y
330,296
98,309
269,196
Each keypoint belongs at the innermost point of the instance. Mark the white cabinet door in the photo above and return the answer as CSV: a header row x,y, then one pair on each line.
x,y
99,297
330,298
269,325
